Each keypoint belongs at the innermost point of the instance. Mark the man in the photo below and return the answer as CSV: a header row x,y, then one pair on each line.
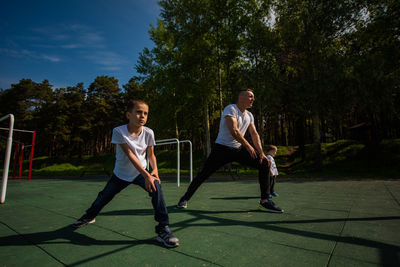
x,y
232,146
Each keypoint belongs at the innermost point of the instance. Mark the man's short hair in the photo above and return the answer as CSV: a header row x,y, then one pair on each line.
x,y
133,102
241,91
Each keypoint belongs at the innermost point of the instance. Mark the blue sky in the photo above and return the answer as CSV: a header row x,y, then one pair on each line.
x,y
72,41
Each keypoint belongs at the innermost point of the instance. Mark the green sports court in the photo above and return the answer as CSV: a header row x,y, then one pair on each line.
x,y
326,223
89,88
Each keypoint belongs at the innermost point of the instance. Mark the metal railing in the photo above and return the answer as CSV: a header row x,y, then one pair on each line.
x,y
178,157
7,156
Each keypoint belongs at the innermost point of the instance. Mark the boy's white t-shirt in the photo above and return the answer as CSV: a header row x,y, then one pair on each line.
x,y
273,167
243,121
124,168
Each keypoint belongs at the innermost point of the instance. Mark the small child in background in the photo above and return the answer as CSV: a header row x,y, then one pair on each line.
x,y
273,171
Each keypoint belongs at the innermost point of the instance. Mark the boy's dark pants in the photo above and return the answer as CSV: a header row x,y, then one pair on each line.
x,y
115,185
273,179
221,155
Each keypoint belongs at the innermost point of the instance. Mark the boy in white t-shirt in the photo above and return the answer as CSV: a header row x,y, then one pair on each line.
x,y
273,170
133,142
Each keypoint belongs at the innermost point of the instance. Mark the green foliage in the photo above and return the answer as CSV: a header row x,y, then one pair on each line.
x,y
341,159
322,71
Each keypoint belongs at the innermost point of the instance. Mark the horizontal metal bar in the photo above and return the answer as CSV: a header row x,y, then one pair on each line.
x,y
16,130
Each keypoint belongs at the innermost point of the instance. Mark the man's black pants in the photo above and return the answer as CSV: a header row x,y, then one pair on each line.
x,y
221,155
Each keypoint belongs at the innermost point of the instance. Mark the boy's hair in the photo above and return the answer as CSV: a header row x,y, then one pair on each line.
x,y
133,102
271,147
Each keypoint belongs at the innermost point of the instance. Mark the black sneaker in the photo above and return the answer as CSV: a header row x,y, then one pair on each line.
x,y
166,237
182,204
269,206
83,221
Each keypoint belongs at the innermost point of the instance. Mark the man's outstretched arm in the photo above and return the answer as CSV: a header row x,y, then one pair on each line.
x,y
231,122
255,137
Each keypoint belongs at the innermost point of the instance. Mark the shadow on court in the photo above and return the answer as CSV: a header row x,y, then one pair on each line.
x,y
389,254
67,234
324,224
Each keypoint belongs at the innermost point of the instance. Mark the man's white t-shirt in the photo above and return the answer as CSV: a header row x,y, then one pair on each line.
x,y
124,168
273,167
243,121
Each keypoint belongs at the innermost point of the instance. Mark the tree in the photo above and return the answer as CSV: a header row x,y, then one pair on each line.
x,y
68,125
310,30
179,68
260,44
29,102
373,67
197,48
105,110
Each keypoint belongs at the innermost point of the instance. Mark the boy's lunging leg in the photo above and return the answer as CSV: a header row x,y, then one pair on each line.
x,y
165,234
157,200
113,187
160,208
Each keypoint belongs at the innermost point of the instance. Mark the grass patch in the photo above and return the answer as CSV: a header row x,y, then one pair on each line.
x,y
73,166
344,158
55,169
348,158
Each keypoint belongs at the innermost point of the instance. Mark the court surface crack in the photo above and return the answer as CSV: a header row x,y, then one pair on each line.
x,y
339,236
390,192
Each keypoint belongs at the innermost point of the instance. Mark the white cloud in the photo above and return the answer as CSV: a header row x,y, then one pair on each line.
x,y
68,36
107,59
51,58
10,52
91,38
24,53
71,46
46,43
